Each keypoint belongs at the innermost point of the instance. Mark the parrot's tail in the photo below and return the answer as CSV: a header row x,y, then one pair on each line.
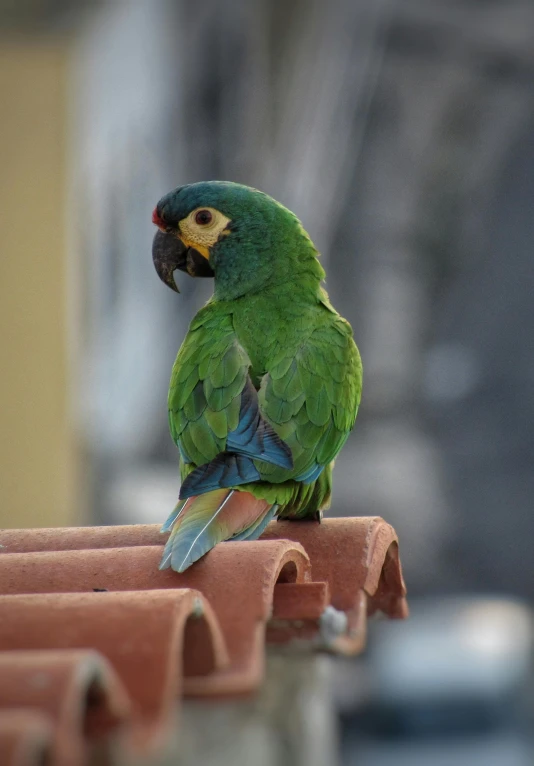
x,y
200,522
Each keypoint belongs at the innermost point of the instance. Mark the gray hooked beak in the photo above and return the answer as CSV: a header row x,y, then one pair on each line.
x,y
169,253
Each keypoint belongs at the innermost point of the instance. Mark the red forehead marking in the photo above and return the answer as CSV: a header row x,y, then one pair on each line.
x,y
157,220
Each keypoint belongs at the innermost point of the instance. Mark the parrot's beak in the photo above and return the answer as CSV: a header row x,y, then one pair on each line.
x,y
169,253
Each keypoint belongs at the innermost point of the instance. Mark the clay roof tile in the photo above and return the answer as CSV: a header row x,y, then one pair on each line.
x,y
78,690
238,580
142,638
86,588
26,738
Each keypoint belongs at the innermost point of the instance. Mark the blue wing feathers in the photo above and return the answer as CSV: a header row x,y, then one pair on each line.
x,y
254,437
226,470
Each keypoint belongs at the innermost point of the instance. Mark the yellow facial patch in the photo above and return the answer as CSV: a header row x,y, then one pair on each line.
x,y
200,235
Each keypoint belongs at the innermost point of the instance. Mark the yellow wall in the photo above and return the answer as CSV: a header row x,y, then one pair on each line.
x,y
36,446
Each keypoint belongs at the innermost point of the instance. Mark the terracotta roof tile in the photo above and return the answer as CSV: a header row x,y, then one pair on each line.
x,y
351,554
79,538
237,579
26,738
78,690
143,638
359,559
300,582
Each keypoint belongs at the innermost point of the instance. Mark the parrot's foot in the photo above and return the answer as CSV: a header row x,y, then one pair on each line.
x,y
315,516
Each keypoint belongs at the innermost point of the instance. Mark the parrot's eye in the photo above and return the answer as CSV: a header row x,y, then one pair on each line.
x,y
203,227
203,217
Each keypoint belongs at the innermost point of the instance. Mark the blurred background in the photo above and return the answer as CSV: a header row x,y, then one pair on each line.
x,y
402,134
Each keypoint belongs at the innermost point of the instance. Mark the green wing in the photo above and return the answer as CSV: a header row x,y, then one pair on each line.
x,y
207,380
214,410
311,398
291,429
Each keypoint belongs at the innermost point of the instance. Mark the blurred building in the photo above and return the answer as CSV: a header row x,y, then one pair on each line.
x,y
38,460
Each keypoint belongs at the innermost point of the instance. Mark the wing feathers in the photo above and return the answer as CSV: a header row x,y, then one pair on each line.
x,y
226,470
254,437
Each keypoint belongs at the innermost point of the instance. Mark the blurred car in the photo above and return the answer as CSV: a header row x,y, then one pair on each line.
x,y
452,685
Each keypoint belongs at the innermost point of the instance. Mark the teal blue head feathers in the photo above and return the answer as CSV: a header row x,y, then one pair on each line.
x,y
239,235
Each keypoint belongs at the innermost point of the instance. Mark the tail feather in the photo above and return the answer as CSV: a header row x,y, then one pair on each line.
x,y
174,515
205,520
253,532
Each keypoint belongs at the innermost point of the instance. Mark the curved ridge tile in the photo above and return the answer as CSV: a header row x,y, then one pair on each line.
x,y
358,558
25,738
384,583
238,580
240,583
79,690
142,636
79,538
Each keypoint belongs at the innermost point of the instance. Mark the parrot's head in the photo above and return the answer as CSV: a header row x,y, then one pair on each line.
x,y
240,236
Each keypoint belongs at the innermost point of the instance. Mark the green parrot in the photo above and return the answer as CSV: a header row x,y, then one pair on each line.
x,y
266,385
